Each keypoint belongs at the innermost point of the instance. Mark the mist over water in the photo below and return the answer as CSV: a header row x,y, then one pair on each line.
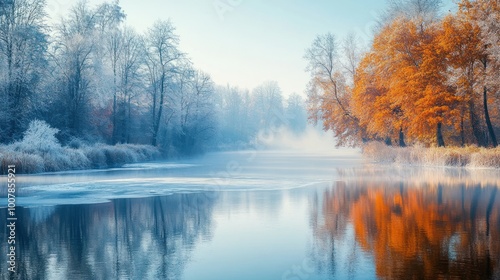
x,y
311,140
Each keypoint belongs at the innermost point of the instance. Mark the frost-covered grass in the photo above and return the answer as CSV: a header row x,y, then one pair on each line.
x,y
39,151
433,156
66,158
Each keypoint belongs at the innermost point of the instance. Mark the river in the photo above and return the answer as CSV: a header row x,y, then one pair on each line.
x,y
257,215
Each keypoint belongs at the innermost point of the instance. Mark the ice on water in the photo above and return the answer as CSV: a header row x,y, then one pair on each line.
x,y
222,171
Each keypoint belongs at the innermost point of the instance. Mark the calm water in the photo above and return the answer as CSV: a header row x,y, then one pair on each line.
x,y
265,215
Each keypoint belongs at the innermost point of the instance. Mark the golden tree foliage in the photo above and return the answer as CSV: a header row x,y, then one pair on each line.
x,y
408,70
377,114
425,80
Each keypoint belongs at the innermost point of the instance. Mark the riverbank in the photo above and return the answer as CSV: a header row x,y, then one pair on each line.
x,y
62,158
470,156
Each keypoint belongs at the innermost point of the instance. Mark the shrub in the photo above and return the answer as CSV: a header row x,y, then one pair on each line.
x,y
56,162
379,152
457,157
404,156
40,151
39,138
96,156
114,156
24,162
75,143
486,158
142,152
77,159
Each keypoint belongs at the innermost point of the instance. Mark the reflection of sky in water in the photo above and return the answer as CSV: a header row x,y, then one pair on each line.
x,y
313,217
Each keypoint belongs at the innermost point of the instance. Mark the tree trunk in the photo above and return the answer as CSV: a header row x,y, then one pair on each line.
x,y
388,141
462,131
491,132
439,135
487,117
113,136
156,127
401,138
476,125
127,126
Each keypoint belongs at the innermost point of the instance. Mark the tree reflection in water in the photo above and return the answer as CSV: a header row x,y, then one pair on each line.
x,y
429,231
144,238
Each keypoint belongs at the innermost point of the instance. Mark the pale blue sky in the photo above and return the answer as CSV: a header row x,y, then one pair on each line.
x,y
247,42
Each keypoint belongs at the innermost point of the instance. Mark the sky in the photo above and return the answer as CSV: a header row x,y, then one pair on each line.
x,y
244,43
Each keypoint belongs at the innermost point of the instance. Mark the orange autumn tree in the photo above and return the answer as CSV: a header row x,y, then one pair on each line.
x,y
410,72
424,80
437,104
383,84
377,115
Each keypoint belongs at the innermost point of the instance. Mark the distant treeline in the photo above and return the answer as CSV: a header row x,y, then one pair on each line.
x,y
426,78
96,80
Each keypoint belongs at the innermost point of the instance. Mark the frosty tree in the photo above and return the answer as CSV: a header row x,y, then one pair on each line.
x,y
40,137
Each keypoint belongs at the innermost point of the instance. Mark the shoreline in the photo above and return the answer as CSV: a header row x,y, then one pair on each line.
x,y
86,157
469,157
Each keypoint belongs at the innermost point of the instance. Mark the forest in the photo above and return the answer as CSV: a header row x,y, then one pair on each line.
x,y
428,78
90,91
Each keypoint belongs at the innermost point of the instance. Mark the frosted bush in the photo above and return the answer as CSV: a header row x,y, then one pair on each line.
x,y
149,152
113,156
403,155
434,157
96,156
39,138
75,143
40,151
77,159
379,152
486,158
130,154
56,161
24,162
135,152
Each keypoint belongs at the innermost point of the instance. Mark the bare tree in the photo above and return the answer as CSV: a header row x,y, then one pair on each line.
x,y
78,56
268,105
23,43
131,79
162,54
352,53
329,96
426,10
195,110
324,67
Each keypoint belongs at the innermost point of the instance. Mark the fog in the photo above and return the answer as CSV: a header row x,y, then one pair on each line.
x,y
311,140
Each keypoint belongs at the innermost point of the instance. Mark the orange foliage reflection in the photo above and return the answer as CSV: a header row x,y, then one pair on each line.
x,y
432,232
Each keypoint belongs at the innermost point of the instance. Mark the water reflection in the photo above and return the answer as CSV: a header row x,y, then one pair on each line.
x,y
284,222
146,238
432,230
